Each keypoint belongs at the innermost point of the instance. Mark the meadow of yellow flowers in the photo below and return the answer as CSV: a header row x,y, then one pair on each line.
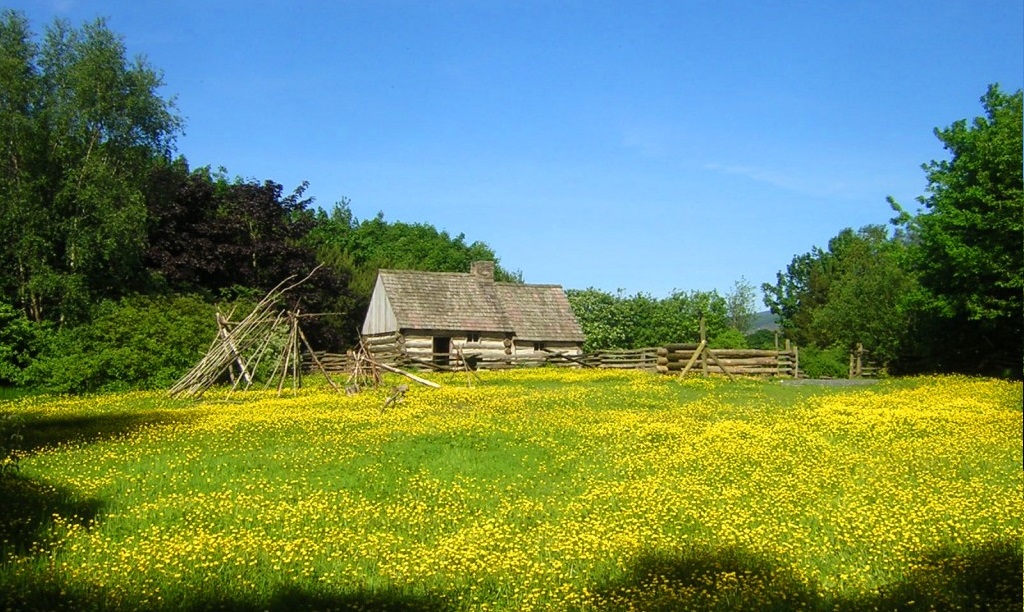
x,y
530,490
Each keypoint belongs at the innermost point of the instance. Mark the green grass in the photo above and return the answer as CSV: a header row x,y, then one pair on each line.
x,y
532,490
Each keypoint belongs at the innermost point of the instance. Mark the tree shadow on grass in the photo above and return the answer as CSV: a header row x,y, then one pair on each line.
x,y
57,595
704,579
27,504
290,599
27,507
988,578
46,431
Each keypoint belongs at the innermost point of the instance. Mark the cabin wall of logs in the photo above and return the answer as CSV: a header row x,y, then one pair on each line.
x,y
401,347
440,350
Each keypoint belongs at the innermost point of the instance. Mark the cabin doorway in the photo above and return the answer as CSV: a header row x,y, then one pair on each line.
x,y
442,350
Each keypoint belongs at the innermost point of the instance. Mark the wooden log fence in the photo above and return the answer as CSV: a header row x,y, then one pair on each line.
x,y
625,359
862,364
669,359
674,359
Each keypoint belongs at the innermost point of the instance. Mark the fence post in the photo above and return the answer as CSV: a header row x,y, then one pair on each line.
x,y
704,353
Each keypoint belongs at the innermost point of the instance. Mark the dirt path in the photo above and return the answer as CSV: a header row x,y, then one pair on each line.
x,y
831,382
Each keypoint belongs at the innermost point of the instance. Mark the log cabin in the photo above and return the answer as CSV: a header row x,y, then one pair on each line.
x,y
436,316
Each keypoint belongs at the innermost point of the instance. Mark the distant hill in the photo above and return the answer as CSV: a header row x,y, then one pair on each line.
x,y
765,320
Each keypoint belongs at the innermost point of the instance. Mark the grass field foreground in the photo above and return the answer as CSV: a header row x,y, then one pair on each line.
x,y
546,489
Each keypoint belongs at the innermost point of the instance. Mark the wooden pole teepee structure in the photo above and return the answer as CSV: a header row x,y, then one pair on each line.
x,y
243,345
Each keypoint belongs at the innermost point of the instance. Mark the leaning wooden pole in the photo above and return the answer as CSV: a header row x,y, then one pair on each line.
x,y
316,360
226,335
262,350
693,358
422,381
296,364
286,360
704,345
719,363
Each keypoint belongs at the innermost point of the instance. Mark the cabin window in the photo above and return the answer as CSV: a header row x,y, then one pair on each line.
x,y
472,337
538,346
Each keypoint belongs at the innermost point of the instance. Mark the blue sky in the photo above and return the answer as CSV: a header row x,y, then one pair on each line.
x,y
643,146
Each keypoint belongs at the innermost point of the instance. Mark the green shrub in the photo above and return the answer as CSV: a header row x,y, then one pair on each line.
x,y
139,342
729,338
824,363
19,342
763,339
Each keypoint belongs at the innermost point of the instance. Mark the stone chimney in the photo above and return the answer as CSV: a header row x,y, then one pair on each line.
x,y
482,269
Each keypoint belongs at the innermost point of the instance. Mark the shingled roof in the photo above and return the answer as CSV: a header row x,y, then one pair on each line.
x,y
472,302
539,312
444,300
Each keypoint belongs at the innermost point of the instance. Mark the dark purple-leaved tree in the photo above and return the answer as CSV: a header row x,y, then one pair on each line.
x,y
224,238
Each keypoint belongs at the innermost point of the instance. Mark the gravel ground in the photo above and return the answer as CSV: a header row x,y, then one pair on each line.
x,y
831,382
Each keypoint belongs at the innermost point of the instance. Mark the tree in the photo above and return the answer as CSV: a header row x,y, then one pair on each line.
x,y
80,124
967,240
740,303
22,153
602,317
694,305
621,321
858,290
135,342
872,297
763,339
800,291
218,237
208,234
182,240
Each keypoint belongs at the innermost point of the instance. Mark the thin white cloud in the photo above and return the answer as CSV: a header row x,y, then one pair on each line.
x,y
62,7
818,186
648,140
